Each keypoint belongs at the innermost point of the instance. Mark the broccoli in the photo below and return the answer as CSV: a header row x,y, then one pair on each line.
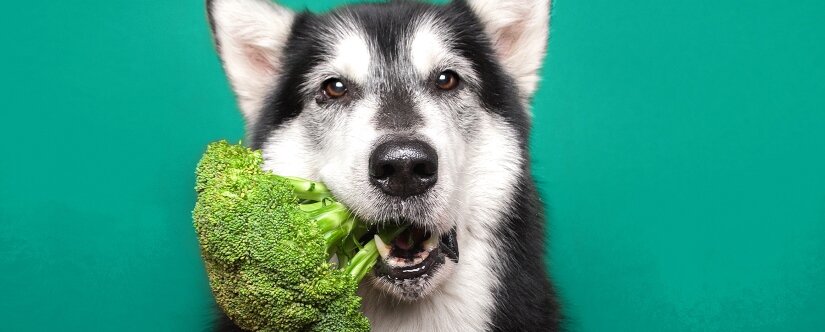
x,y
270,243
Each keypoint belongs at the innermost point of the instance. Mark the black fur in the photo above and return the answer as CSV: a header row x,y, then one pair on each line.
x,y
286,102
397,112
526,301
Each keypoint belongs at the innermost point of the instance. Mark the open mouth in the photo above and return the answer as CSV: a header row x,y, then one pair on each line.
x,y
414,254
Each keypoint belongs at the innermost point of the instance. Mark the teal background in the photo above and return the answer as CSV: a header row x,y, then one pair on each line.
x,y
680,146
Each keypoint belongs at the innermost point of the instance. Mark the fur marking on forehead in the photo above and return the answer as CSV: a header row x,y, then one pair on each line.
x,y
431,50
352,57
428,48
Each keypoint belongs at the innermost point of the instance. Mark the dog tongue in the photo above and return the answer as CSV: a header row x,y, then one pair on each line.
x,y
407,239
403,242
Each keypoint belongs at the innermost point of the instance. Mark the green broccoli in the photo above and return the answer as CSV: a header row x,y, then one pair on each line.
x,y
267,242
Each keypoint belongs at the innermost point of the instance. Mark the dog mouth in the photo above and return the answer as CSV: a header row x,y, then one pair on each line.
x,y
414,256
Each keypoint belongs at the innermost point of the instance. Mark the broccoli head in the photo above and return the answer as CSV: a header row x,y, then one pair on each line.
x,y
268,241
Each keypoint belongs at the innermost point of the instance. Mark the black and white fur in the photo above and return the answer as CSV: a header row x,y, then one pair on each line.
x,y
277,60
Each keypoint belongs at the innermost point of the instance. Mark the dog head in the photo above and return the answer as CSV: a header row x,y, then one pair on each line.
x,y
411,113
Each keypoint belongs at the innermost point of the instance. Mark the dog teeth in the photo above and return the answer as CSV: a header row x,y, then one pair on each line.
x,y
383,248
421,257
401,262
431,243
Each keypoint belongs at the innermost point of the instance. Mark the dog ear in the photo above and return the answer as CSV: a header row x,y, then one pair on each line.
x,y
519,30
250,36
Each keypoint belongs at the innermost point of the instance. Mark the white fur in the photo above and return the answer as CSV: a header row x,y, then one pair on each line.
x,y
352,58
474,192
519,30
441,131
348,150
464,299
427,49
287,154
251,35
476,183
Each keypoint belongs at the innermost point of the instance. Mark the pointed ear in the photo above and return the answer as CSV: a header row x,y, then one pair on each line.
x,y
250,36
519,31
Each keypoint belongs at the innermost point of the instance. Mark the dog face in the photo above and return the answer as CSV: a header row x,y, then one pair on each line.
x,y
411,113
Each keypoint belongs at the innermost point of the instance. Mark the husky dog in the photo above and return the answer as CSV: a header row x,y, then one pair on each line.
x,y
413,113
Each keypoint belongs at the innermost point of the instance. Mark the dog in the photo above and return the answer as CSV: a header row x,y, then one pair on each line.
x,y
414,113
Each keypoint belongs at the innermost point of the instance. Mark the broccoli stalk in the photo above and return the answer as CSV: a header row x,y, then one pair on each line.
x,y
341,230
267,242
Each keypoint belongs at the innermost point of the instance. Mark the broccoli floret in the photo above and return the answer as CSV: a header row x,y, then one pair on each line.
x,y
267,242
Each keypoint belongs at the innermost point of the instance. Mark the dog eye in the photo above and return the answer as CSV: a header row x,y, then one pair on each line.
x,y
334,88
447,80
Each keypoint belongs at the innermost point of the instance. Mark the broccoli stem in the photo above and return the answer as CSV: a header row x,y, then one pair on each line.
x,y
330,216
366,257
335,237
363,261
341,230
309,190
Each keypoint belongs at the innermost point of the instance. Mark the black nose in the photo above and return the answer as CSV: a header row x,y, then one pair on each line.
x,y
404,168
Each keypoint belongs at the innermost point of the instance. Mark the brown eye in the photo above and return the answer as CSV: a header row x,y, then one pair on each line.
x,y
447,80
334,88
